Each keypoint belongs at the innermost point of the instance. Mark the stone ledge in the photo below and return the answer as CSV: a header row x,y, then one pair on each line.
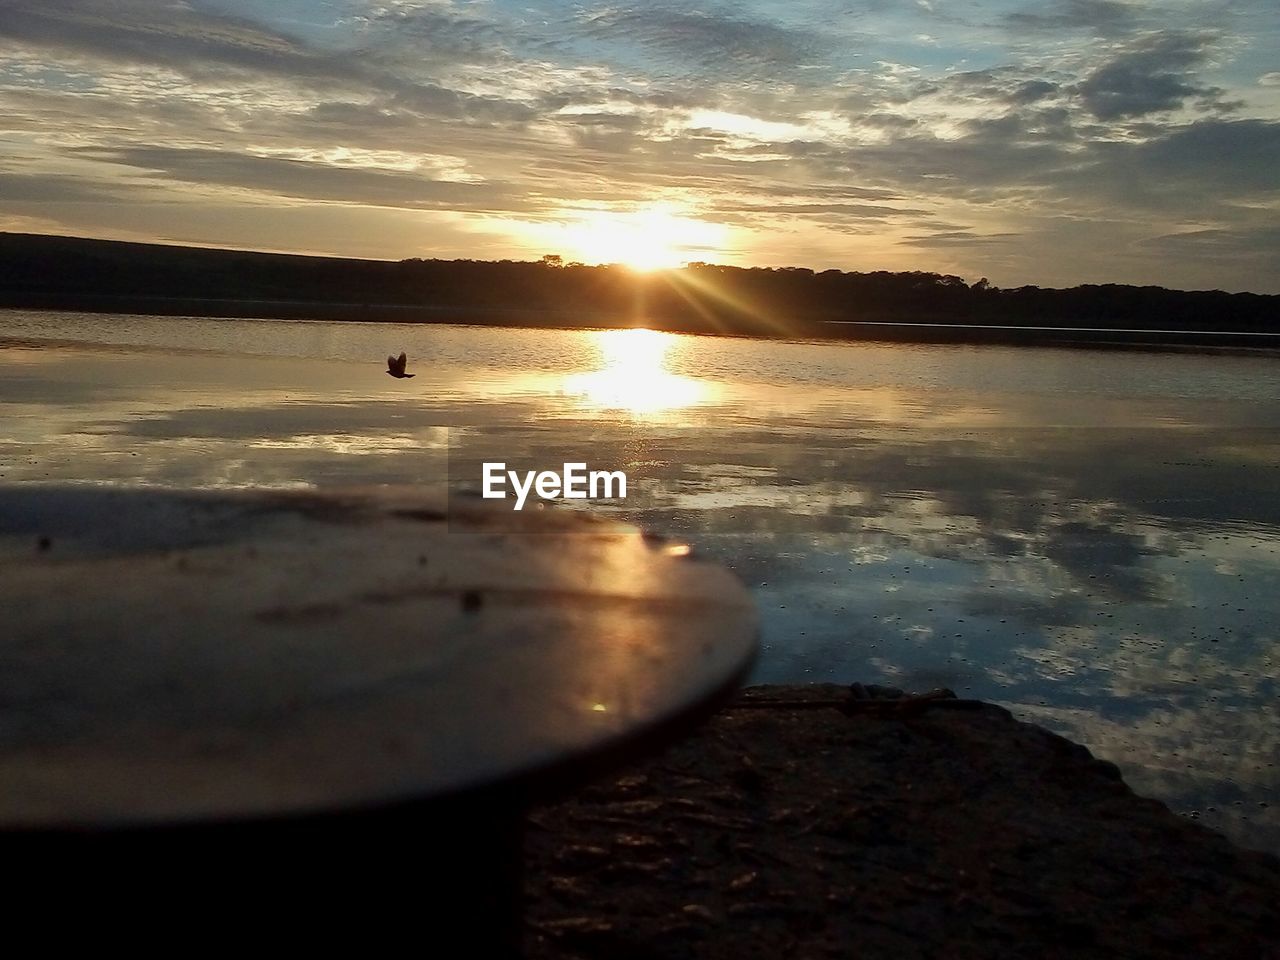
x,y
798,823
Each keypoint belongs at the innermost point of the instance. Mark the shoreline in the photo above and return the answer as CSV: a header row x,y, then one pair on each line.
x,y
803,821
920,330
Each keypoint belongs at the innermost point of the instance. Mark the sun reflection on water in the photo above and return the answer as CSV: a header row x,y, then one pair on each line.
x,y
635,377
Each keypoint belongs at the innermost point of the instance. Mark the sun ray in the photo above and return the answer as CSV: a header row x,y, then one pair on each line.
x,y
710,291
700,307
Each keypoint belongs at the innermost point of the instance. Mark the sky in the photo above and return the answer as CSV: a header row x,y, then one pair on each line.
x,y
1027,141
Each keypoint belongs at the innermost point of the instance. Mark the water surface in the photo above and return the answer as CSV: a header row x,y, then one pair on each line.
x,y
1087,537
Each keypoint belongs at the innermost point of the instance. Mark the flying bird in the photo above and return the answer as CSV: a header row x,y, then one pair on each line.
x,y
395,367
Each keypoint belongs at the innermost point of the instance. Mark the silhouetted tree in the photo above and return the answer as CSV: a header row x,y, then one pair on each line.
x,y
116,276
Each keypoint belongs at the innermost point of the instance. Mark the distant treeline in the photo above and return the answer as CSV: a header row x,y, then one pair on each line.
x,y
73,273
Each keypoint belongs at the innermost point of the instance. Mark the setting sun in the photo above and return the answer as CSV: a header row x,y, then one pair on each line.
x,y
653,238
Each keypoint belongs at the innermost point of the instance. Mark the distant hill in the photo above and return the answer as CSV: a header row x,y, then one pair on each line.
x,y
73,273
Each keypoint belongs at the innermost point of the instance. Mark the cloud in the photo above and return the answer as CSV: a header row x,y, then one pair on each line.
x,y
708,42
310,180
825,211
1203,168
810,128
173,35
1103,17
438,33
1233,158
959,237
1256,245
1151,75
1032,91
206,48
1008,84
56,188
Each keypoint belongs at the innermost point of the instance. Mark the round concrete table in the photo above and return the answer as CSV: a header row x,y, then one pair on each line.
x,y
349,684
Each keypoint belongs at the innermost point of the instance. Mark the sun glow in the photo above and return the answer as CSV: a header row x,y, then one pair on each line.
x,y
635,377
654,238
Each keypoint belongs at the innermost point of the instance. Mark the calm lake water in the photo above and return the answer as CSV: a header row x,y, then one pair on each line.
x,y
1090,538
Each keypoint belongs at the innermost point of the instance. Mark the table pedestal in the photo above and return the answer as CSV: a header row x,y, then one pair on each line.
x,y
439,873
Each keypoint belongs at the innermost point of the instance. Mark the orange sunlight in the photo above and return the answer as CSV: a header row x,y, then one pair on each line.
x,y
635,377
651,238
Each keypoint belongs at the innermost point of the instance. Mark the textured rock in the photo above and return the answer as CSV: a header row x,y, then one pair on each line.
x,y
802,822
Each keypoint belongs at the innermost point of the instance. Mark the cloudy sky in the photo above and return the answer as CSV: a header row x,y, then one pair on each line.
x,y
1030,141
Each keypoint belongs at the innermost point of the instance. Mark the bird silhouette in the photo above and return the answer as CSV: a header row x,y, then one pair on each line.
x,y
395,367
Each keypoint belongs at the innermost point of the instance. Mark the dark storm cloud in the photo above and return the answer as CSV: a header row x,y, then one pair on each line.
x,y
310,180
1154,74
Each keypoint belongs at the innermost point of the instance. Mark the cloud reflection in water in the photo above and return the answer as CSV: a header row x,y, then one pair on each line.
x,y
919,516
